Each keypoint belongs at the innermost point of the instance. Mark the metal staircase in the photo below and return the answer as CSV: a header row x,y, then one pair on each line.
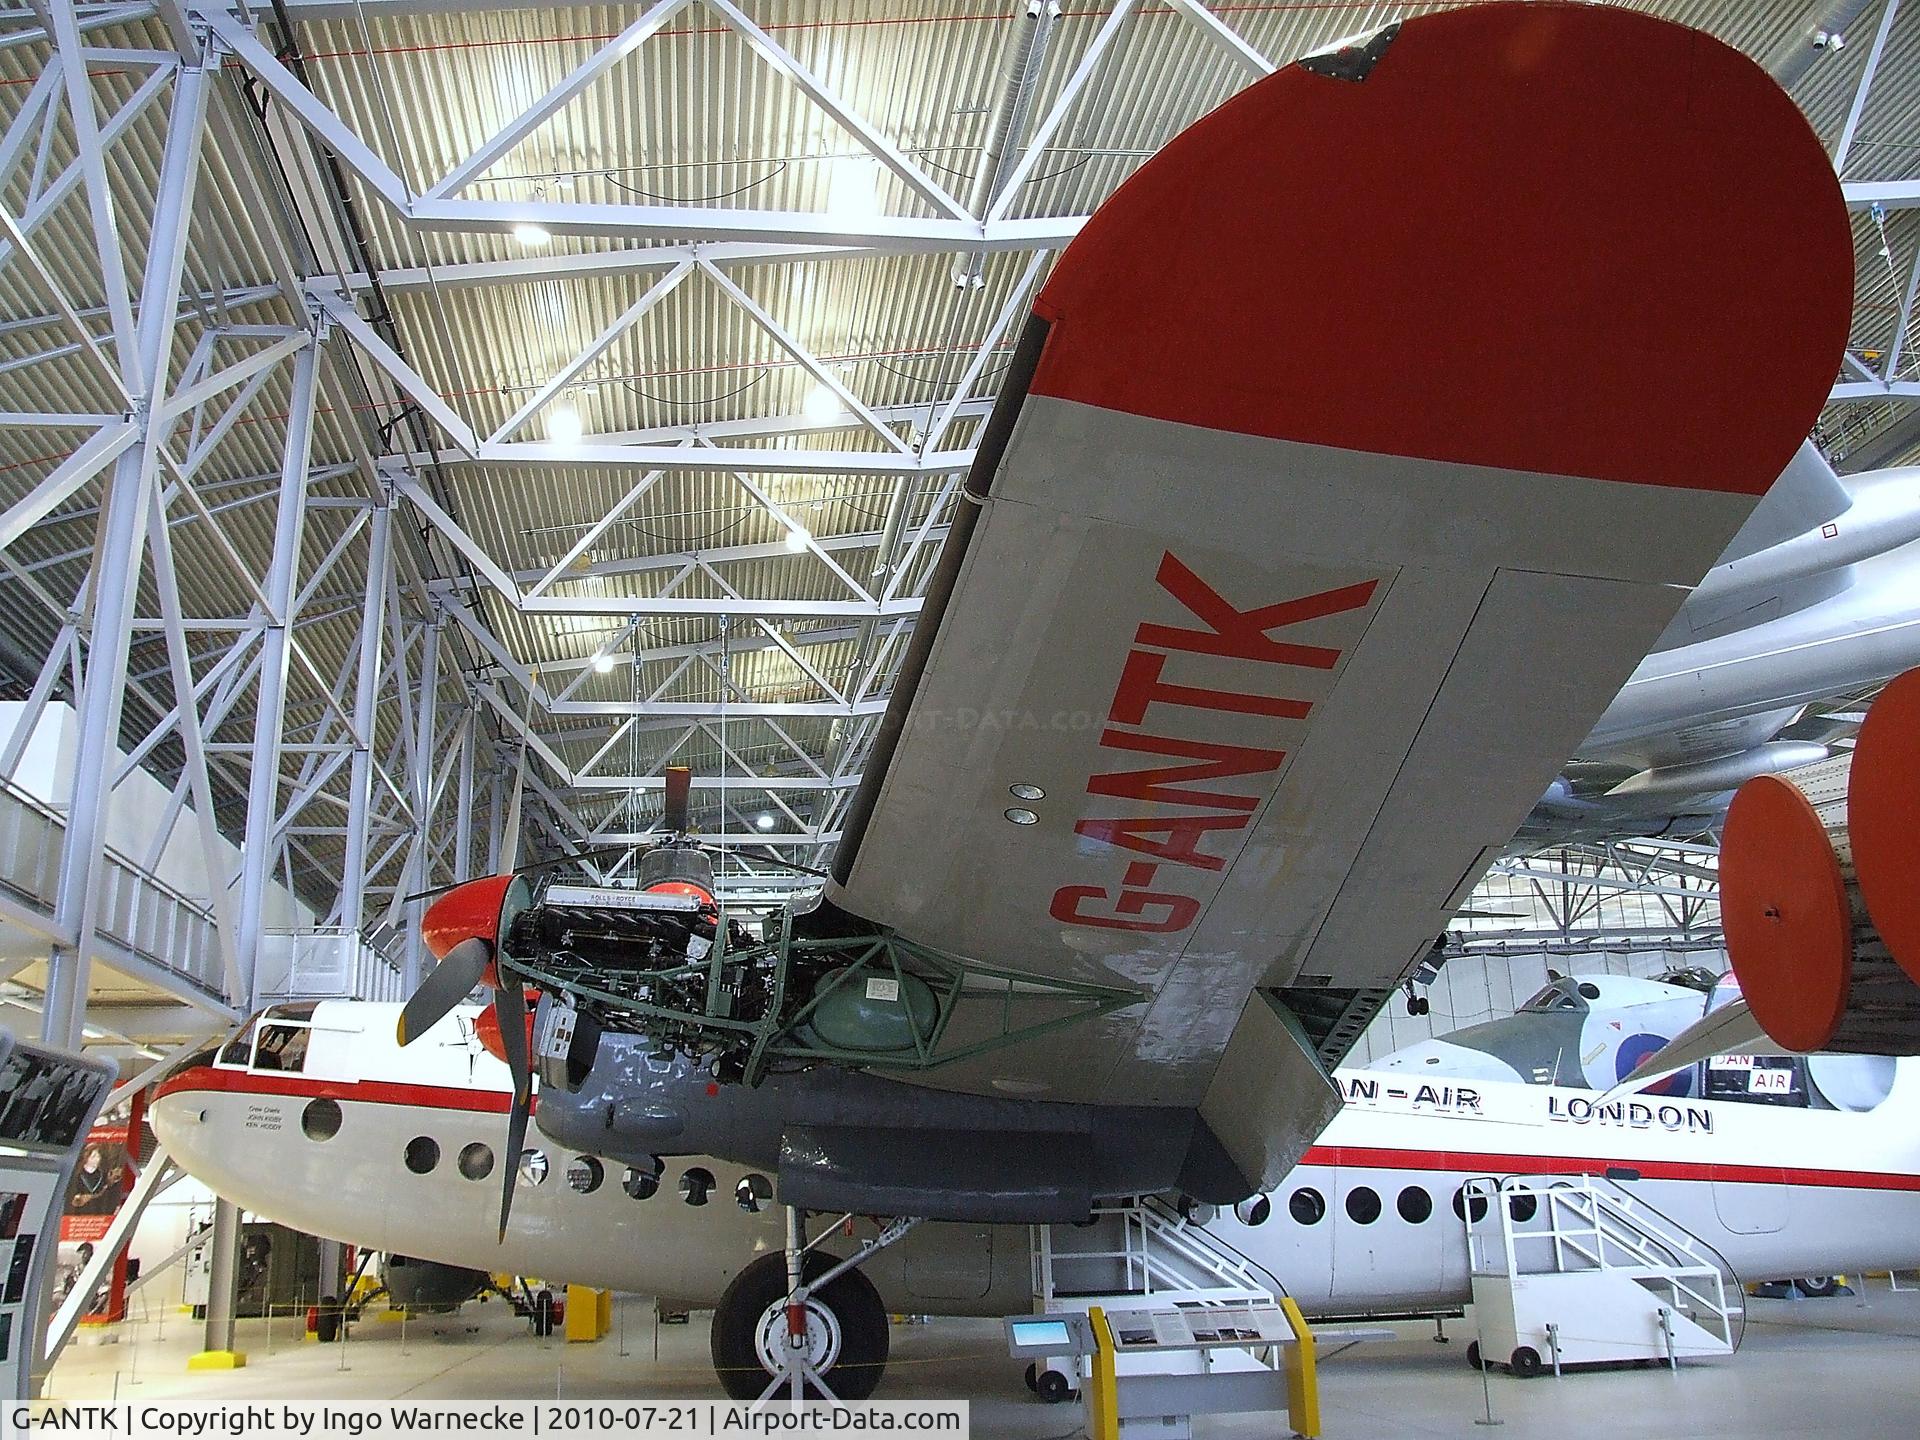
x,y
1134,1255
1575,1269
1141,1249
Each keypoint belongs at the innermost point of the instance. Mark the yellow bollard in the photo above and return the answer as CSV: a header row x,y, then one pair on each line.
x,y
589,1313
1103,1400
1303,1380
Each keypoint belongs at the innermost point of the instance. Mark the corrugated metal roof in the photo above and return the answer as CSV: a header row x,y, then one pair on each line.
x,y
691,118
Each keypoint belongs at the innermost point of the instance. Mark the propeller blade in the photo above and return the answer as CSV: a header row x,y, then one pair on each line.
x,y
446,985
510,1009
780,860
679,786
512,831
516,1142
531,867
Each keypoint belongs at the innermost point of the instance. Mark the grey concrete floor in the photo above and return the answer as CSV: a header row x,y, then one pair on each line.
x,y
1840,1367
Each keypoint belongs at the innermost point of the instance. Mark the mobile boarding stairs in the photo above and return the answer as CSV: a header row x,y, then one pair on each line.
x,y
1574,1269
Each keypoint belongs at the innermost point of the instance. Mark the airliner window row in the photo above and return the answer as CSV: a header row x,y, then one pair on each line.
x,y
1308,1206
585,1174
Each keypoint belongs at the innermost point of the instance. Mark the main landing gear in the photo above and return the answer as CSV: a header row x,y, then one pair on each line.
x,y
804,1322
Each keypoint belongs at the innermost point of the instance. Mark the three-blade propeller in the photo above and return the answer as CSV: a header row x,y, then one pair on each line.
x,y
464,928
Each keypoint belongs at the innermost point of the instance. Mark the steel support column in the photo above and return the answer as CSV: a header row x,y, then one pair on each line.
x,y
117,570
419,858
373,629
263,789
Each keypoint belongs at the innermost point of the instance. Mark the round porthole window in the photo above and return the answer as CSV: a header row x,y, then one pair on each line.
x,y
585,1173
1460,1205
1414,1205
1363,1205
533,1167
423,1153
1307,1206
1256,1210
476,1161
321,1119
696,1185
640,1184
752,1193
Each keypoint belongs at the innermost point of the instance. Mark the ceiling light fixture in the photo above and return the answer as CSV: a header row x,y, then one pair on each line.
x,y
797,538
853,187
763,820
564,426
822,406
604,664
528,233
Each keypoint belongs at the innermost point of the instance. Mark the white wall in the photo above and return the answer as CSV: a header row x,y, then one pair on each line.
x,y
136,810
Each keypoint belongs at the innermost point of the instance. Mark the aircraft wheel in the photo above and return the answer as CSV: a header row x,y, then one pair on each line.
x,y
1524,1362
1473,1355
1032,1377
543,1314
1817,1287
847,1336
1055,1387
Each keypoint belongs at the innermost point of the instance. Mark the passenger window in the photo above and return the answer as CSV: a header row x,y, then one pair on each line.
x,y
1255,1211
1363,1205
321,1119
533,1167
1522,1206
1414,1205
1460,1205
585,1174
752,1193
640,1184
1306,1206
476,1161
423,1153
696,1185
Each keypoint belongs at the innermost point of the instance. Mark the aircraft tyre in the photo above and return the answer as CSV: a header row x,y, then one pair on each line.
x,y
1473,1355
543,1314
846,1329
1032,1377
1524,1362
1055,1387
1817,1287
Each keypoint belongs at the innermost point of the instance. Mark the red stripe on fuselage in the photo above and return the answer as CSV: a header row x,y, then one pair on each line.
x,y
1469,1163
1454,1162
373,1092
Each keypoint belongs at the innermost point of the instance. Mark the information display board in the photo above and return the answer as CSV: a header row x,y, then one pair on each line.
x,y
49,1099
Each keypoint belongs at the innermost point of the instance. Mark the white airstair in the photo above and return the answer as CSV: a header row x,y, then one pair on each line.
x,y
1573,1269
1136,1255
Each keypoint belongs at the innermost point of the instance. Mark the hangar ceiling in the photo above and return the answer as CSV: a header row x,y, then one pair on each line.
x,y
632,357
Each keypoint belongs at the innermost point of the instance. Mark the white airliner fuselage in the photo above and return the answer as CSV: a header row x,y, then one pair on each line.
x,y
396,1151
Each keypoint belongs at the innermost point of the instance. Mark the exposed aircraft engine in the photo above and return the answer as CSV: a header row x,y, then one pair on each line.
x,y
1817,892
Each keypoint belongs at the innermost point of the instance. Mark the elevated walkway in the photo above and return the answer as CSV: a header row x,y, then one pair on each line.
x,y
159,938
1575,1269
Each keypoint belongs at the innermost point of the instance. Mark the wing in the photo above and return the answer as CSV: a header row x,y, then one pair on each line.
x,y
1354,454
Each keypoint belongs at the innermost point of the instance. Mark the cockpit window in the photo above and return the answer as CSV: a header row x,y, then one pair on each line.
x,y
1560,995
282,1047
236,1050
